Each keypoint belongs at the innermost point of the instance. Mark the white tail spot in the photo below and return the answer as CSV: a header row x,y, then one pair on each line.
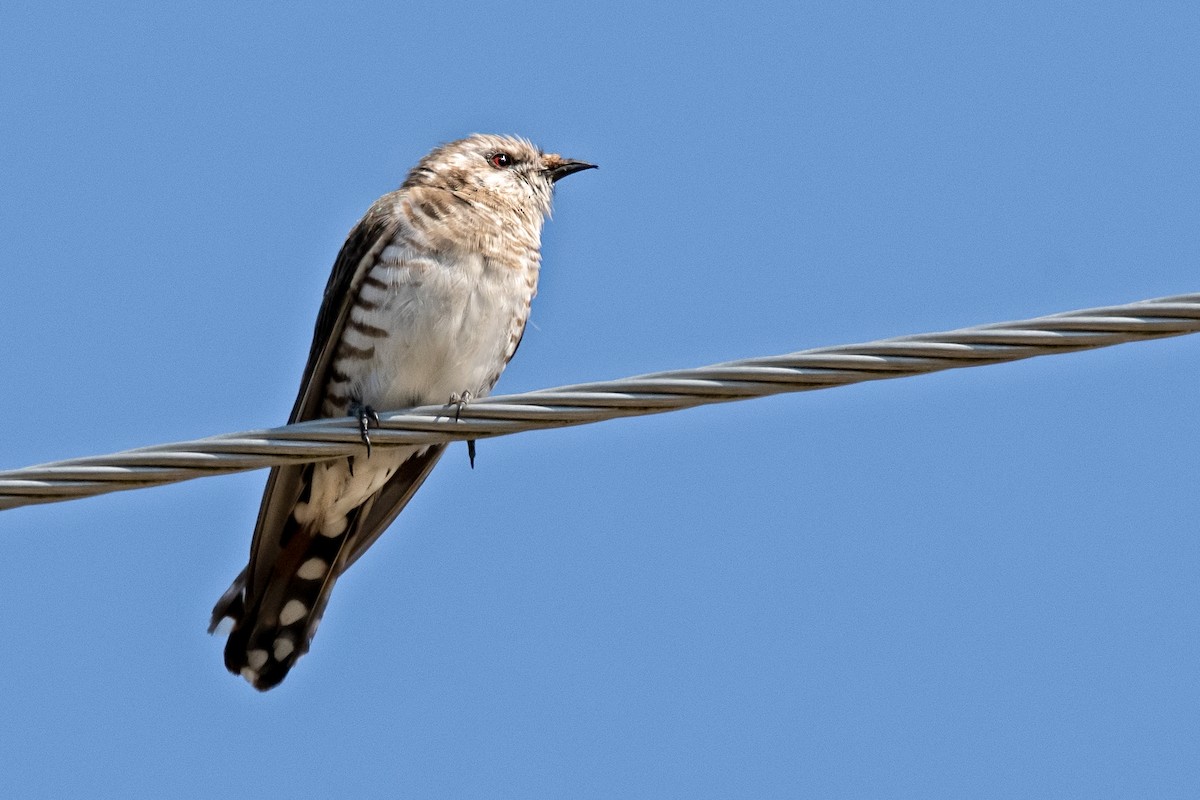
x,y
293,611
312,569
283,648
255,659
334,527
303,512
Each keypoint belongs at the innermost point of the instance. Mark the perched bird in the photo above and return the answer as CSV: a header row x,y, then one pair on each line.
x,y
426,304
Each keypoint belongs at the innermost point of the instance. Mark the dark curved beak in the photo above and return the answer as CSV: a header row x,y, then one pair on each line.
x,y
557,170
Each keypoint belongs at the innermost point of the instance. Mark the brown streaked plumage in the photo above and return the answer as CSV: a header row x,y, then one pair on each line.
x,y
428,300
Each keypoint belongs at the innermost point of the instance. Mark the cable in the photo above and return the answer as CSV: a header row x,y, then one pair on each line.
x,y
821,368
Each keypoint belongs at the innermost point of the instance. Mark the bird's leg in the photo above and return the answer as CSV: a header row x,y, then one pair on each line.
x,y
458,401
367,417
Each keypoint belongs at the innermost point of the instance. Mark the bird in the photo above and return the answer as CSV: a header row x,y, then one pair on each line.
x,y
427,303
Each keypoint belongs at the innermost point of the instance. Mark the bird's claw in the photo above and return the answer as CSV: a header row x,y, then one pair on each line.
x,y
458,401
367,418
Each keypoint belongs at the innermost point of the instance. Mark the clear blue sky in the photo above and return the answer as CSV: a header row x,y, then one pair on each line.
x,y
981,583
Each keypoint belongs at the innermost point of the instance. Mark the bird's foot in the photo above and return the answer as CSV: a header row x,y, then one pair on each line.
x,y
458,401
367,418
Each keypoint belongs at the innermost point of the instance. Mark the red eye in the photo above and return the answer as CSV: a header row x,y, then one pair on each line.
x,y
501,160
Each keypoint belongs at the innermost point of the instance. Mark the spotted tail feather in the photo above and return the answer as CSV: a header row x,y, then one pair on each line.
x,y
269,637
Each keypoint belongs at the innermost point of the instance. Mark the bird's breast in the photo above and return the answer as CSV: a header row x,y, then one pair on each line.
x,y
428,326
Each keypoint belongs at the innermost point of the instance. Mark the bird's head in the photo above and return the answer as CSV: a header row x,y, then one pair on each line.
x,y
499,171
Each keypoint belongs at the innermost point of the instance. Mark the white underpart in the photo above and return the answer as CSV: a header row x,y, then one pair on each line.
x,y
451,323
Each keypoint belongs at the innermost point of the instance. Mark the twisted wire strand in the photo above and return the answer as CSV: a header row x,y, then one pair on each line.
x,y
806,370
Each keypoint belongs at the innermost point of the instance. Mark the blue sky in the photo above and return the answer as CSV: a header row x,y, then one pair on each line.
x,y
980,583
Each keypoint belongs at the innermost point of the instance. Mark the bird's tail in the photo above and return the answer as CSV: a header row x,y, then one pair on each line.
x,y
300,548
273,629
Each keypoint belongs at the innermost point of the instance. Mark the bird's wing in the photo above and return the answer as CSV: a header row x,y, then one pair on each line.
x,y
285,484
363,246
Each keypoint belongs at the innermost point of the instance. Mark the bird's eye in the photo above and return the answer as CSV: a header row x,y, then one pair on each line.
x,y
501,160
